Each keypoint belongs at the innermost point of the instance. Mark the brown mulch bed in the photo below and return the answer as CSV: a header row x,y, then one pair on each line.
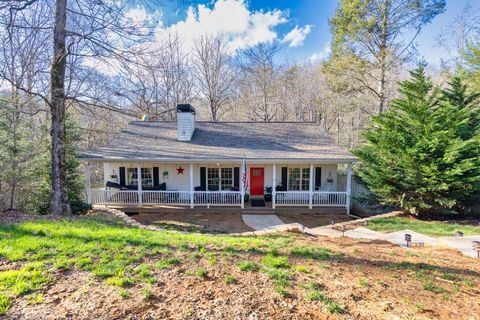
x,y
204,222
382,294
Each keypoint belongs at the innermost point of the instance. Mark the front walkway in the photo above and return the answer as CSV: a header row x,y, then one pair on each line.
x,y
261,221
462,244
273,224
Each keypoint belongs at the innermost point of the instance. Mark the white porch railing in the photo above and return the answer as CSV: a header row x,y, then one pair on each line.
x,y
292,198
200,198
166,197
302,198
217,198
329,199
102,196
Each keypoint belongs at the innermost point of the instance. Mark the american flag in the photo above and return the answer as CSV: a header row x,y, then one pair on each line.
x,y
244,174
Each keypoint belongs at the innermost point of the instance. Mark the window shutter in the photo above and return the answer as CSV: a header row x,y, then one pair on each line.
x,y
156,176
236,177
122,176
318,178
203,178
284,177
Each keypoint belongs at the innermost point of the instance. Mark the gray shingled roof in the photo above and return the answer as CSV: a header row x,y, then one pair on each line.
x,y
221,141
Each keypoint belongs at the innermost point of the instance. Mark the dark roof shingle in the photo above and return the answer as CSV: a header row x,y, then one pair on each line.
x,y
221,141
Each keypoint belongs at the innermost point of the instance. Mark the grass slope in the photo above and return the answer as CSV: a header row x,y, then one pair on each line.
x,y
138,266
430,228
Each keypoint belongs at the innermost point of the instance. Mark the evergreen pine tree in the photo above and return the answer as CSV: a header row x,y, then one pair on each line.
x,y
423,154
42,197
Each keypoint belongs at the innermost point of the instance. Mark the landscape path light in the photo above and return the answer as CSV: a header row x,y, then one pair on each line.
x,y
408,239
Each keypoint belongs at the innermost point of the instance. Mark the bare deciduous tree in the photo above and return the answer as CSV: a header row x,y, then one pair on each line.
x,y
214,73
259,78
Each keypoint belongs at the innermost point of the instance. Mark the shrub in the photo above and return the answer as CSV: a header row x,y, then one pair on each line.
x,y
423,154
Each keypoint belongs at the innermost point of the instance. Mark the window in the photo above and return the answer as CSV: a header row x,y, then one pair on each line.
x,y
306,179
257,172
219,178
293,178
299,179
227,178
147,177
213,179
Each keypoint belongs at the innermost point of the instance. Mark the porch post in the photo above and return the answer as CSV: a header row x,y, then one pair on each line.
x,y
88,185
191,185
139,184
349,188
242,187
274,184
310,188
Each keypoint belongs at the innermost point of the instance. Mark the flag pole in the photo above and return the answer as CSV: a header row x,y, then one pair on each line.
x,y
243,181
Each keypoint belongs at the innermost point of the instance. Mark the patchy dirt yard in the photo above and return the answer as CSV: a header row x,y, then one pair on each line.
x,y
203,222
312,220
98,269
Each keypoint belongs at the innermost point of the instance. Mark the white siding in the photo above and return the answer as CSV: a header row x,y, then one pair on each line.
x,y
180,182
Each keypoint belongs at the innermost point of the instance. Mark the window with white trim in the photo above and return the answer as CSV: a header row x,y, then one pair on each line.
x,y
219,178
213,179
226,181
147,177
298,179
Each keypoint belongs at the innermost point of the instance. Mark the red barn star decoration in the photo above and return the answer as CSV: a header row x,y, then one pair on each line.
x,y
180,170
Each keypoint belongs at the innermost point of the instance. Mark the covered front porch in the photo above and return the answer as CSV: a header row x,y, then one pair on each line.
x,y
206,184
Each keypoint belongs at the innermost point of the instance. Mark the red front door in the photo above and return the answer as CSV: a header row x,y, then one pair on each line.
x,y
256,181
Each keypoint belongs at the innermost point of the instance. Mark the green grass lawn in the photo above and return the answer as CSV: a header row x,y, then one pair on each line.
x,y
134,263
106,248
431,228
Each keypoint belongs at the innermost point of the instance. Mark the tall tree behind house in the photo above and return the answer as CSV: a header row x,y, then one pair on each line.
x,y
371,41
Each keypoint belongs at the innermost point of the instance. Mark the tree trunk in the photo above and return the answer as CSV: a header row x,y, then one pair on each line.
x,y
383,58
60,204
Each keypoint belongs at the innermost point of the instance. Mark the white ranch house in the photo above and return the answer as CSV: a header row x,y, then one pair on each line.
x,y
200,164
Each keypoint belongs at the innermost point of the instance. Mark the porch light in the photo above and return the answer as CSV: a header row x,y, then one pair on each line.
x,y
218,164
